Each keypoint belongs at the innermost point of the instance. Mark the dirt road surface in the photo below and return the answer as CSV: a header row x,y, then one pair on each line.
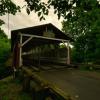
x,y
81,85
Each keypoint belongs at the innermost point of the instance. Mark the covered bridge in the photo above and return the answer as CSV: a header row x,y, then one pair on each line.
x,y
28,44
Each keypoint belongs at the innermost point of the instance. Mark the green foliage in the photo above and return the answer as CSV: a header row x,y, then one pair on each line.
x,y
1,22
40,7
4,53
61,7
11,90
83,26
81,18
7,6
4,47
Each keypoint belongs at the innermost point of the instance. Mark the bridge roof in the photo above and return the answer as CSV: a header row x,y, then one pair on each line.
x,y
38,31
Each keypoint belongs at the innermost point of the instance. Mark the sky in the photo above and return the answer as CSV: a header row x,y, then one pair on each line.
x,y
22,19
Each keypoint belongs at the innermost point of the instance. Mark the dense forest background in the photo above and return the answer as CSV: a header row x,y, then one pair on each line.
x,y
83,25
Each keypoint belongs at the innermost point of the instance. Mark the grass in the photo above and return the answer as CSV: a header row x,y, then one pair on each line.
x,y
11,89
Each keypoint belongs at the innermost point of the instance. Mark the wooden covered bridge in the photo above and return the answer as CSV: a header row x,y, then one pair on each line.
x,y
36,49
38,43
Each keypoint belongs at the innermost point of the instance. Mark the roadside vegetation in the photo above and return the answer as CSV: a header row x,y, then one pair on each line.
x,y
4,54
11,89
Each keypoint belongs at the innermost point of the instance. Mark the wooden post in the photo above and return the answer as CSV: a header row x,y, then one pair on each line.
x,y
26,83
39,57
68,53
20,52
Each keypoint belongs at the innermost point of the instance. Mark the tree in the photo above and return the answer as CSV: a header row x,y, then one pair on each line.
x,y
4,53
83,27
4,46
7,6
81,18
61,7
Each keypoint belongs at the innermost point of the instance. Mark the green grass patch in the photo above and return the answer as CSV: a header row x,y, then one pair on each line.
x,y
11,89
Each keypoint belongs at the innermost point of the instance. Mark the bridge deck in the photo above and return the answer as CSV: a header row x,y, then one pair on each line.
x,y
80,85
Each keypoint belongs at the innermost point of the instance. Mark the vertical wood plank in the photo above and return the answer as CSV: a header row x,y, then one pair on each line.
x,y
68,53
20,54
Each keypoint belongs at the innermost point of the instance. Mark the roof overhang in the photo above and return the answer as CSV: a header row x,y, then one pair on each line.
x,y
36,33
